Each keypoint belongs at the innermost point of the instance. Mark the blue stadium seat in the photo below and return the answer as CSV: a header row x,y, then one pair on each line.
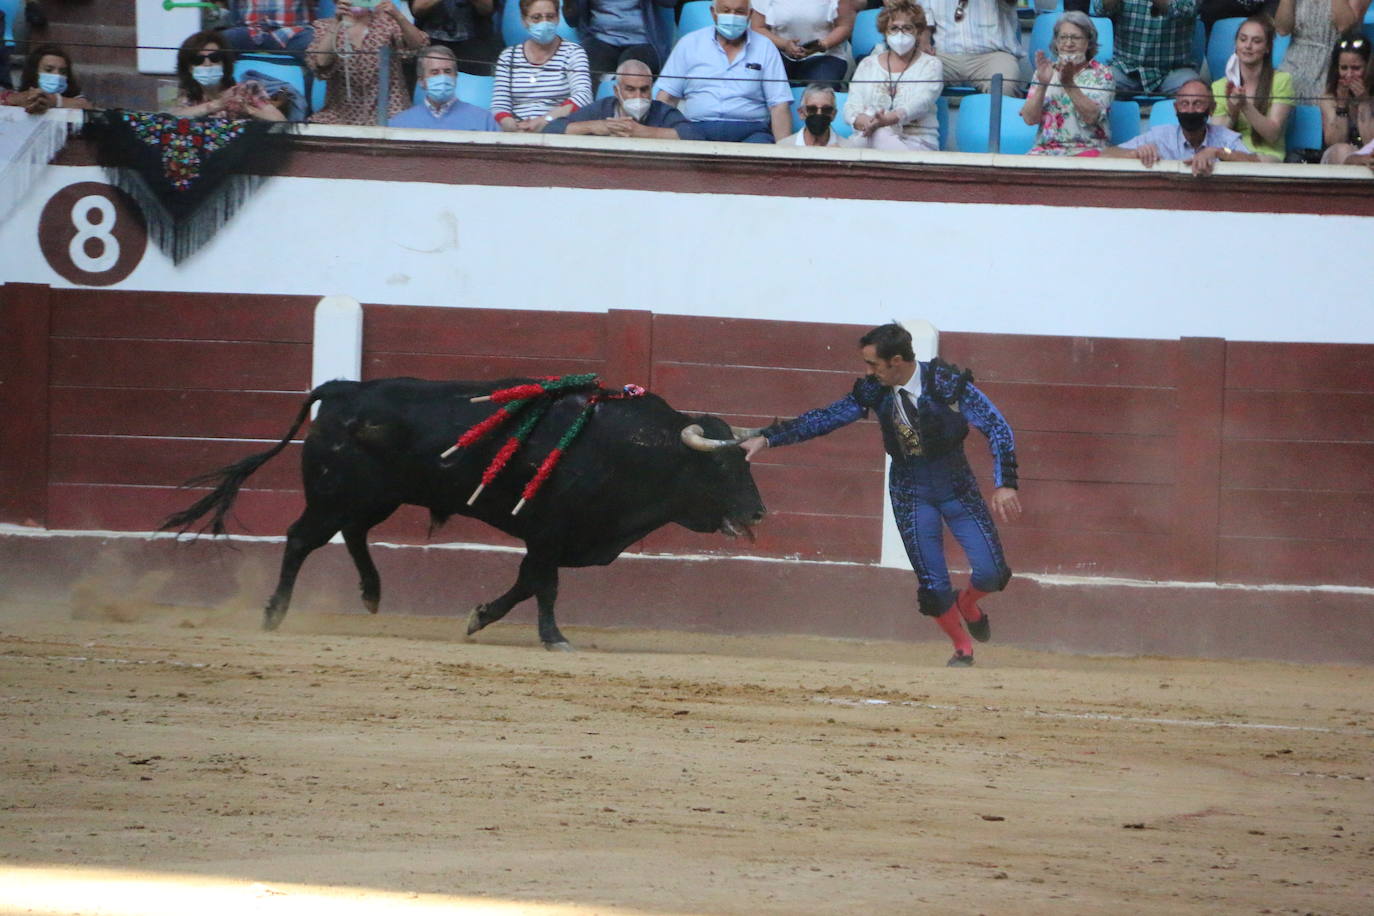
x,y
605,88
1222,44
971,131
12,9
695,14
475,90
513,29
1043,32
1123,121
325,9
865,37
1305,128
942,116
282,67
1055,10
1163,113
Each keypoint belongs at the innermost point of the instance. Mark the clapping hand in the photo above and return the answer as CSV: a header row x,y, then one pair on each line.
x,y
1067,71
1235,101
1044,68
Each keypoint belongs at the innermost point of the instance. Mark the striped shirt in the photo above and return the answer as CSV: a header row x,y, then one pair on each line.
x,y
528,91
986,26
1152,44
282,19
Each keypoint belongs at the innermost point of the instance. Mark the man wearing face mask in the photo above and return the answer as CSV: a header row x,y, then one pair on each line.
x,y
629,113
1193,139
729,82
437,68
817,108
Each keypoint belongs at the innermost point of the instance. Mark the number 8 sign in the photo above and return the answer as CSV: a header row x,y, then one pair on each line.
x,y
92,234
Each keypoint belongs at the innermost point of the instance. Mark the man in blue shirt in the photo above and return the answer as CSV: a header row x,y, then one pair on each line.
x,y
730,82
1194,139
441,108
628,113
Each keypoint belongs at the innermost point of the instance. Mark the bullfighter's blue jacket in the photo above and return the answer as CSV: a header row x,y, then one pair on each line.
x,y
930,481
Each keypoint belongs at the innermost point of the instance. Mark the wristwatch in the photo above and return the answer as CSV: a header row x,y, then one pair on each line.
x,y
550,118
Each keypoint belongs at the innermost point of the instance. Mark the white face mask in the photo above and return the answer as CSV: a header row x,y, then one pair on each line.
x,y
900,43
1072,57
635,108
208,74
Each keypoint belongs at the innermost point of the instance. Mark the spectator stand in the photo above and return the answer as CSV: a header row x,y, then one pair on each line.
x,y
693,15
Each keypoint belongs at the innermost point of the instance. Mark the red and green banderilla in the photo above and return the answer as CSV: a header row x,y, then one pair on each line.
x,y
517,439
513,400
551,460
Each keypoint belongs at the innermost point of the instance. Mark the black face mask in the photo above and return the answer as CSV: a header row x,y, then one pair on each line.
x,y
1192,120
817,124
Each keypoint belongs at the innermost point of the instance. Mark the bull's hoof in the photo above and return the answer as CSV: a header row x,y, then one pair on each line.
x,y
474,620
561,646
372,604
272,619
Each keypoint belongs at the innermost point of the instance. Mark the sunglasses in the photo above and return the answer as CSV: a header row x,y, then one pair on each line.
x,y
210,57
1348,44
960,11
828,110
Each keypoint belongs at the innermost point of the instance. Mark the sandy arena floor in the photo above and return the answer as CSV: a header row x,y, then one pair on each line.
x,y
159,759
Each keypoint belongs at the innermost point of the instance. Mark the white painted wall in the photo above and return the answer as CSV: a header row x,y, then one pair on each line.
x,y
965,267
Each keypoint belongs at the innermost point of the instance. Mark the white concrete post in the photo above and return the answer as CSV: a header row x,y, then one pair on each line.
x,y
925,343
338,351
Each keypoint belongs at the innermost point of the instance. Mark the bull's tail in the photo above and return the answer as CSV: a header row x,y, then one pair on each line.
x,y
227,481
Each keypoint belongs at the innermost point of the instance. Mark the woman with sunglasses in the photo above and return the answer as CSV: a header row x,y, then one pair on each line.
x,y
47,81
892,96
1347,109
1071,93
1258,107
206,87
1315,25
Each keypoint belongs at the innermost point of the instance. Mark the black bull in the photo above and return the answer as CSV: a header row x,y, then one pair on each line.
x,y
637,465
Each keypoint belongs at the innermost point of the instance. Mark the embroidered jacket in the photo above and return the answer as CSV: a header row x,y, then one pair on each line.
x,y
949,403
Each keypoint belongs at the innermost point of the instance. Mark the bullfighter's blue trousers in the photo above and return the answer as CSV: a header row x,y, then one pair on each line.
x,y
927,494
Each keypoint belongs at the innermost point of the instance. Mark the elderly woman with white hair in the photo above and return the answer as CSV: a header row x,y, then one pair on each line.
x,y
1071,94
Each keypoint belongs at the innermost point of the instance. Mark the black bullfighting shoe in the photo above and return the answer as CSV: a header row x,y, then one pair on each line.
x,y
980,629
959,660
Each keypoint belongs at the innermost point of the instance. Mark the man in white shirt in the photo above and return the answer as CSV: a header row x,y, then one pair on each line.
x,y
976,39
817,108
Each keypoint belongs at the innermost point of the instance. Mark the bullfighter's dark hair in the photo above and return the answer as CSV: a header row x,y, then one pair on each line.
x,y
889,340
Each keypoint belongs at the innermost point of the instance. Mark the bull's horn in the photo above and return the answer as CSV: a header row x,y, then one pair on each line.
x,y
693,438
742,432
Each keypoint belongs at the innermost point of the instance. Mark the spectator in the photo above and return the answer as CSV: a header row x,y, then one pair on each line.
x,y
1193,139
48,80
817,109
465,27
1315,25
269,25
1154,43
543,78
894,92
346,52
1071,95
811,35
206,86
1259,107
1347,111
730,85
441,108
977,39
614,31
631,112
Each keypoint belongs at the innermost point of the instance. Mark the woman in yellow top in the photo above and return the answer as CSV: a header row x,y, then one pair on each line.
x,y
1256,107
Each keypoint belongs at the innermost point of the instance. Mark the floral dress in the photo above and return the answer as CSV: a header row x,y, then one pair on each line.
x,y
353,79
1061,132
